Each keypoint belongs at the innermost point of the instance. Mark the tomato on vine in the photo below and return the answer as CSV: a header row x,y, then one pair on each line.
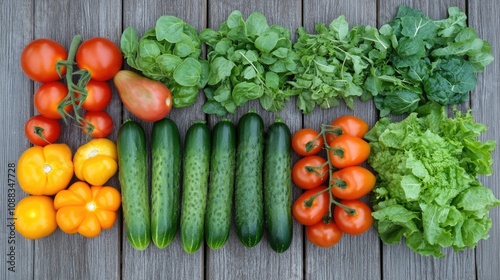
x,y
101,57
324,233
307,141
347,150
311,206
39,60
354,217
47,99
98,96
310,172
350,125
97,124
352,182
42,131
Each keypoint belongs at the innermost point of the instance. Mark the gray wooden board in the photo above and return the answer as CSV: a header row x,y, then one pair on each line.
x,y
15,92
109,256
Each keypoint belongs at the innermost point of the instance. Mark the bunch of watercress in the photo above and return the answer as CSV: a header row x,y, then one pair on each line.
x,y
334,63
427,188
429,60
170,53
247,60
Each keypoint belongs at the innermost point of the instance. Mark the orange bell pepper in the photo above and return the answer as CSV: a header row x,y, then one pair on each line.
x,y
96,161
45,170
86,209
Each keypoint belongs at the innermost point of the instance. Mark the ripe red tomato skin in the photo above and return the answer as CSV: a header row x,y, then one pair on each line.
x,y
306,180
101,121
98,96
309,215
302,137
355,151
47,98
353,224
359,181
351,125
100,56
51,130
324,234
39,58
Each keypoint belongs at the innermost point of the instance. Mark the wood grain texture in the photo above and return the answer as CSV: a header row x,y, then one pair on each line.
x,y
485,106
83,258
15,92
354,257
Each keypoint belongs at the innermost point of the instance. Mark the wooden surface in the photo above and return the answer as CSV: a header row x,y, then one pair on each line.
x,y
109,256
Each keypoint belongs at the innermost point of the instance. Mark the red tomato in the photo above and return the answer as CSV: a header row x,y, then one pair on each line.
x,y
39,58
352,182
346,150
347,125
47,99
357,222
310,172
42,131
101,57
308,210
307,141
98,124
98,96
324,234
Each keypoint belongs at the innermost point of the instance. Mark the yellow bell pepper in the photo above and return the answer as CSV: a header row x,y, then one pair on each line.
x,y
96,161
45,170
86,209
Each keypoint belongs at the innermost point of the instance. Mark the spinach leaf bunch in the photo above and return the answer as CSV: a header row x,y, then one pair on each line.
x,y
170,53
248,59
335,62
429,60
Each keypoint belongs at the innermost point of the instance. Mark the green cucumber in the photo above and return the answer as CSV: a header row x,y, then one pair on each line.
x,y
248,200
278,186
165,181
195,184
221,186
133,177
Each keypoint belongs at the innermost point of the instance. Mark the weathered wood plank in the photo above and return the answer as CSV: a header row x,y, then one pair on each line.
x,y
172,260
234,261
483,16
76,256
17,91
354,257
455,265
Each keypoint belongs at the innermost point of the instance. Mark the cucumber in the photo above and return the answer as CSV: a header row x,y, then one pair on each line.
x,y
195,184
248,200
133,177
165,181
221,186
278,186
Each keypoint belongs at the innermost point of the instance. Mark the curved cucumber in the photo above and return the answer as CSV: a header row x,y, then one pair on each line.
x,y
133,176
165,181
195,184
249,209
278,186
221,186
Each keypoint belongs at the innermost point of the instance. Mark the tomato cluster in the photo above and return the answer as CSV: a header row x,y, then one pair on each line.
x,y
331,205
93,62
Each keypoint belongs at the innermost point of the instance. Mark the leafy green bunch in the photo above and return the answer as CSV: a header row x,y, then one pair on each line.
x,y
427,187
247,60
169,53
429,60
335,62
